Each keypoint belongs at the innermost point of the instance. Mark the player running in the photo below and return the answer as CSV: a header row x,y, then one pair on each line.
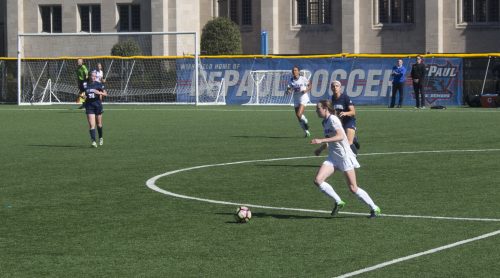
x,y
300,87
342,103
340,156
93,108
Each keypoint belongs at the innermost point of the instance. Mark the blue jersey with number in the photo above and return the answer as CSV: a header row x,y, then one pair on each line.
x,y
90,92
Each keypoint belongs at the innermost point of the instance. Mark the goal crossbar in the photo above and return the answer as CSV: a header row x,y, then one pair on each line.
x,y
21,58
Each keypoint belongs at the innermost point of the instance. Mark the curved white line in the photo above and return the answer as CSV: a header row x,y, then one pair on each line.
x,y
151,184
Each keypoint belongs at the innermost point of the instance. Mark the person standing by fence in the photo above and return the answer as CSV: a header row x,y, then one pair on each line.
x,y
398,83
417,76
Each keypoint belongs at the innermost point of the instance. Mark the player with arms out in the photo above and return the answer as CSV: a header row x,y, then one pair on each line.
x,y
341,157
300,87
93,108
342,103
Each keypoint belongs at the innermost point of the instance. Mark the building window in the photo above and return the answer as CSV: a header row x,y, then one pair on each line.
x,y
480,11
90,18
314,12
239,11
129,18
246,12
51,19
394,11
233,11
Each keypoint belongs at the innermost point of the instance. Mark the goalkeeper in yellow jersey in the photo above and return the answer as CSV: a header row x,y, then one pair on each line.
x,y
82,74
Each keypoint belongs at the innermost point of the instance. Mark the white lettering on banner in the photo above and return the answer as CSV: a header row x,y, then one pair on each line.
x,y
214,75
372,81
318,89
438,71
231,78
351,83
246,84
223,66
385,83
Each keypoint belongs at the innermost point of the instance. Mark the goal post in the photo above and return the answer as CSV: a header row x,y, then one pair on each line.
x,y
270,86
165,68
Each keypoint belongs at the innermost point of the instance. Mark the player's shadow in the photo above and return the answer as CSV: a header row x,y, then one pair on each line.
x,y
287,166
288,216
263,136
55,146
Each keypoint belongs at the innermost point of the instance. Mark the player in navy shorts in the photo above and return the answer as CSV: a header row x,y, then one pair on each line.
x,y
93,107
342,103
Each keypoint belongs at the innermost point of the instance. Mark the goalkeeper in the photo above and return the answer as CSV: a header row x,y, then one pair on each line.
x,y
82,74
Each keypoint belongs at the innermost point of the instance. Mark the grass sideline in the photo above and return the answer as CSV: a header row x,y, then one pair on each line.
x,y
69,210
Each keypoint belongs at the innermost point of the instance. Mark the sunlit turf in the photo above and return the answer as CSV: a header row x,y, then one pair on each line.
x,y
69,210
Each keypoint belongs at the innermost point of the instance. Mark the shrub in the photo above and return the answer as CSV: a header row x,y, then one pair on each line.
x,y
126,48
221,36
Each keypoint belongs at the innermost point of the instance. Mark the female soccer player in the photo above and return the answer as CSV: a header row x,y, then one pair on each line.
x,y
99,73
342,103
340,156
300,87
93,107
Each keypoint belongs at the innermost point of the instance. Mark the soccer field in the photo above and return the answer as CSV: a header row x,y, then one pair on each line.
x,y
158,199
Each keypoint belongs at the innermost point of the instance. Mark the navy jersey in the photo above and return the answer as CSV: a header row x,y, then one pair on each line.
x,y
90,91
342,103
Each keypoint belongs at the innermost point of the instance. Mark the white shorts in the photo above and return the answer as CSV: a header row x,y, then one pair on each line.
x,y
343,164
300,98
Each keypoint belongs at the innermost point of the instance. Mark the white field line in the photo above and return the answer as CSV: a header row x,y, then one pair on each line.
x,y
402,259
151,184
188,107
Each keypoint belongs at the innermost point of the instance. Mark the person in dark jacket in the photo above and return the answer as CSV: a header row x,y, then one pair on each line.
x,y
418,75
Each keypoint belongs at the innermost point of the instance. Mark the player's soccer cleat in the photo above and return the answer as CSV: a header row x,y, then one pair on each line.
x,y
101,141
356,144
94,144
337,207
374,213
308,134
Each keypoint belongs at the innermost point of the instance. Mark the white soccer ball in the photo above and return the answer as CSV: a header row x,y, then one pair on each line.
x,y
243,214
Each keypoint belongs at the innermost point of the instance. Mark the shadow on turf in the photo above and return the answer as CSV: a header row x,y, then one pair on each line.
x,y
262,136
286,165
288,216
56,146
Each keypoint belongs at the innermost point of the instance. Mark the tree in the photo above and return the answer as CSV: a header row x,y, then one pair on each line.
x,y
221,36
126,48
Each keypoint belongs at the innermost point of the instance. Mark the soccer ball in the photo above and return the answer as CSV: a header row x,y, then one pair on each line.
x,y
243,214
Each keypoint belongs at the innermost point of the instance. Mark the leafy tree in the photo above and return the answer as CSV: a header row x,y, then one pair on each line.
x,y
221,36
126,48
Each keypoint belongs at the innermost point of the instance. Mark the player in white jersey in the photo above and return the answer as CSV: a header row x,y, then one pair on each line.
x,y
340,156
300,87
99,73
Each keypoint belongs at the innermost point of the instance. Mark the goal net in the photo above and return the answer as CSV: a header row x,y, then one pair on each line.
x,y
138,68
269,86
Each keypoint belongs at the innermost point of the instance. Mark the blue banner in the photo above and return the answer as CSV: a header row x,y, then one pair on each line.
x,y
366,80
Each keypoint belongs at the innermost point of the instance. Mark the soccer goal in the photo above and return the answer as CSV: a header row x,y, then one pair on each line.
x,y
269,86
138,68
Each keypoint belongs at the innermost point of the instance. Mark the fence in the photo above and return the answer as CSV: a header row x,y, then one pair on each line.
x,y
480,72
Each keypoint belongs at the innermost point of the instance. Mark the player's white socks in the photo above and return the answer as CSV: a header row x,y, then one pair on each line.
x,y
365,198
328,190
304,123
304,119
